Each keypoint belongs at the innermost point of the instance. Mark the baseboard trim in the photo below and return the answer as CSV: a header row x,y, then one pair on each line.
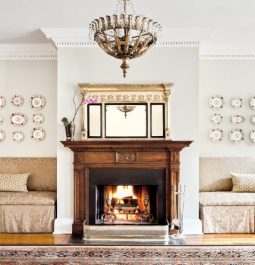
x,y
63,226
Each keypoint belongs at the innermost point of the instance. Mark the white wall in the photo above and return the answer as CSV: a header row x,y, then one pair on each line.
x,y
177,65
228,78
27,78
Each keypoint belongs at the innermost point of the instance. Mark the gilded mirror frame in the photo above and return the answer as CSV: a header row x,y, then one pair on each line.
x,y
150,94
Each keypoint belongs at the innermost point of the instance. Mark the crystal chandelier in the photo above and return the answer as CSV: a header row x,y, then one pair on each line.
x,y
125,35
126,109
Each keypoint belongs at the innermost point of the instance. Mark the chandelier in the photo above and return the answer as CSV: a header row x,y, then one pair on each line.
x,y
125,35
126,109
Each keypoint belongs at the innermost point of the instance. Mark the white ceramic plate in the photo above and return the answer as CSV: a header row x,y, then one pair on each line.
x,y
237,102
2,101
38,134
37,102
216,102
18,136
253,119
237,119
38,118
236,136
217,119
252,103
18,119
252,136
216,135
17,100
2,135
1,119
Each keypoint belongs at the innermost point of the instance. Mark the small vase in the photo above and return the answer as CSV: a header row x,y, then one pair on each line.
x,y
70,130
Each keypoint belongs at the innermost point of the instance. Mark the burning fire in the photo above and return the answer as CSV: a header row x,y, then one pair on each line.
x,y
123,192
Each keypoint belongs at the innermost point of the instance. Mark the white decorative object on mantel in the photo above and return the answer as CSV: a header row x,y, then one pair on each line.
x,y
252,103
17,100
217,119
252,136
216,102
216,135
37,102
237,103
2,135
2,101
38,118
18,119
236,136
237,119
38,134
18,136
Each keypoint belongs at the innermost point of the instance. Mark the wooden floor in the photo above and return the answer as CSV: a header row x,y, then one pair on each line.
x,y
49,239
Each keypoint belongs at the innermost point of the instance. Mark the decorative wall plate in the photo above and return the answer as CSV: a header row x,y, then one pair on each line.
x,y
217,119
252,136
252,103
18,136
38,118
2,135
37,102
216,102
1,119
237,102
236,136
38,134
17,100
2,101
237,119
18,119
253,119
215,135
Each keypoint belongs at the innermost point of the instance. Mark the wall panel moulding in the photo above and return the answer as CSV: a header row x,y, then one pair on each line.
x,y
44,51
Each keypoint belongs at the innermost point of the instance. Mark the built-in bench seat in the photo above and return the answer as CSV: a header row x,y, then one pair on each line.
x,y
33,211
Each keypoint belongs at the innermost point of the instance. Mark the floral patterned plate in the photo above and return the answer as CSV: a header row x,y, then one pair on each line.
x,y
18,119
216,102
216,135
1,119
37,102
17,100
38,134
217,119
38,118
253,119
252,103
236,136
18,136
236,119
2,135
2,101
252,136
237,102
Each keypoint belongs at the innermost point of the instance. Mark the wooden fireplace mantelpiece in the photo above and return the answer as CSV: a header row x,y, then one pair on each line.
x,y
123,154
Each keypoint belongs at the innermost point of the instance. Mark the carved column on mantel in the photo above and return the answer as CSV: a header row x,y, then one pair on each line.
x,y
123,154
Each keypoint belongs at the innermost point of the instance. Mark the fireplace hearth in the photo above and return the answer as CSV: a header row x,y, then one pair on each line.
x,y
125,186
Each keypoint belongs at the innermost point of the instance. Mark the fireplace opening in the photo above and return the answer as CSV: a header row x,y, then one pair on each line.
x,y
130,204
124,196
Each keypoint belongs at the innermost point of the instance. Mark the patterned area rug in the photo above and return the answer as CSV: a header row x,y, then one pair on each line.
x,y
129,255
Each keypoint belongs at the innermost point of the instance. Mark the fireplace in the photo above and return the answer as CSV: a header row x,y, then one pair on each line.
x,y
127,196
125,183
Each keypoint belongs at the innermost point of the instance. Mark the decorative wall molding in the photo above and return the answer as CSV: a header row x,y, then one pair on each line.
x,y
35,51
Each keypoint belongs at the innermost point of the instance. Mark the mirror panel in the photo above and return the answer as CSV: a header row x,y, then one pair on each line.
x,y
157,120
126,120
95,121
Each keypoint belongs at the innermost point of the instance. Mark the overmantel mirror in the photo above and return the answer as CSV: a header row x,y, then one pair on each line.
x,y
126,111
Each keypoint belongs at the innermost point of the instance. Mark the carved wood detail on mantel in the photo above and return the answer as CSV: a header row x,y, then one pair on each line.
x,y
123,154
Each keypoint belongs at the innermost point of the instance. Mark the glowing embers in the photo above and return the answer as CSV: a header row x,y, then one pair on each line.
x,y
128,205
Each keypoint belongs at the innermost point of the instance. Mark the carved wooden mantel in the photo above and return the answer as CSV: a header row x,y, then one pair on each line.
x,y
123,154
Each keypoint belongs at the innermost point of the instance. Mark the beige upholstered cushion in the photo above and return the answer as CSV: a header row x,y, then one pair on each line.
x,y
28,198
13,182
214,173
243,182
222,198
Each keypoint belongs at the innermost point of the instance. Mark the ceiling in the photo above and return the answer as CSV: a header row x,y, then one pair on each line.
x,y
215,22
